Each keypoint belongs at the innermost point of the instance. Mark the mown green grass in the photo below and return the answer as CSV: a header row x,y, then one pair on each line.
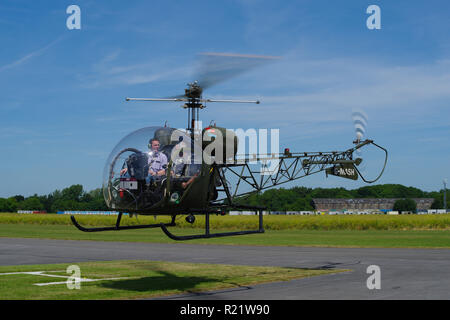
x,y
321,238
144,279
271,222
415,231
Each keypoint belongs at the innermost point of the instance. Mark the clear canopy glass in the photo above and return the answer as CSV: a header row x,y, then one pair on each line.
x,y
128,180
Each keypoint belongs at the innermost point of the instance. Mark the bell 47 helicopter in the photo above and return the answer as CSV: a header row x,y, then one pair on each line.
x,y
168,171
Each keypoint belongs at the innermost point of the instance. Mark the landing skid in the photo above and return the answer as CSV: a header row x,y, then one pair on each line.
x,y
164,226
117,227
208,234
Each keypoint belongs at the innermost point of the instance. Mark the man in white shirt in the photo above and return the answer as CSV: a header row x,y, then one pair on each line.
x,y
157,161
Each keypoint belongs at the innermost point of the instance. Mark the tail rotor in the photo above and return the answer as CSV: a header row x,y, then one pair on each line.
x,y
360,122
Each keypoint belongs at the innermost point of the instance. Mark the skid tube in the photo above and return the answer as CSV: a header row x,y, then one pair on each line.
x,y
117,227
164,226
208,234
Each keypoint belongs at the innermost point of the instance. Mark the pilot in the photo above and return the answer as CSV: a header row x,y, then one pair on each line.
x,y
157,161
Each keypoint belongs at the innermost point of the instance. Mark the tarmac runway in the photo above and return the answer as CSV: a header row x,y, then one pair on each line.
x,y
404,273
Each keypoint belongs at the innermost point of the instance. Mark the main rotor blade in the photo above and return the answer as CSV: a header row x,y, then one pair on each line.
x,y
180,96
231,101
218,67
156,99
185,99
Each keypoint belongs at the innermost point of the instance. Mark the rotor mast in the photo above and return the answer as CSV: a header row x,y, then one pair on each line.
x,y
193,104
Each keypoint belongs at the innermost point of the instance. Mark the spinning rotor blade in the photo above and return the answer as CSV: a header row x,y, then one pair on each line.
x,y
230,101
156,99
215,68
218,67
359,118
360,122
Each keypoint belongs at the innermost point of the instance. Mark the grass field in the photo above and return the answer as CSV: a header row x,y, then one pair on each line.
x,y
323,238
139,279
405,231
155,278
142,279
271,222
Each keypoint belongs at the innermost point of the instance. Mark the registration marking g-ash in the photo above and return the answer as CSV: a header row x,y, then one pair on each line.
x,y
346,171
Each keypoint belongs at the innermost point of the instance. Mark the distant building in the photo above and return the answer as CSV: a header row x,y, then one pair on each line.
x,y
366,204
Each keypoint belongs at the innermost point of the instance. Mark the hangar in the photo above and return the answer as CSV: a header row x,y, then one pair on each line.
x,y
326,204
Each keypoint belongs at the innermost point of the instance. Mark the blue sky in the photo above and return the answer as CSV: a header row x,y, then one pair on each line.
x,y
62,101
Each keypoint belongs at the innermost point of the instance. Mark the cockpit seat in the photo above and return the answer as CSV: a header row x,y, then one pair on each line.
x,y
137,165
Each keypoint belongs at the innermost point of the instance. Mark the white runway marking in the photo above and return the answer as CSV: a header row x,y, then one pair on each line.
x,y
78,279
41,273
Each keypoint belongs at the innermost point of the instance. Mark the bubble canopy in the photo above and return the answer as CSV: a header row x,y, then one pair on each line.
x,y
133,145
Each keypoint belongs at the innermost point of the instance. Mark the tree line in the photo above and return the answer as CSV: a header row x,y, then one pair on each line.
x,y
300,198
71,198
293,199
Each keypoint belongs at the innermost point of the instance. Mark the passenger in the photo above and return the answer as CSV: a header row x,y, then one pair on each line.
x,y
179,159
194,172
183,172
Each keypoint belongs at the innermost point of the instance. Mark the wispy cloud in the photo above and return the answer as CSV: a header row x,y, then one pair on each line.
x,y
310,98
112,71
338,83
29,56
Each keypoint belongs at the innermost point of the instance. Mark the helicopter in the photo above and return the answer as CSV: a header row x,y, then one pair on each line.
x,y
199,164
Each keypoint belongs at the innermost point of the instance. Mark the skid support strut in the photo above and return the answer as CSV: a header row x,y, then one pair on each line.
x,y
208,234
